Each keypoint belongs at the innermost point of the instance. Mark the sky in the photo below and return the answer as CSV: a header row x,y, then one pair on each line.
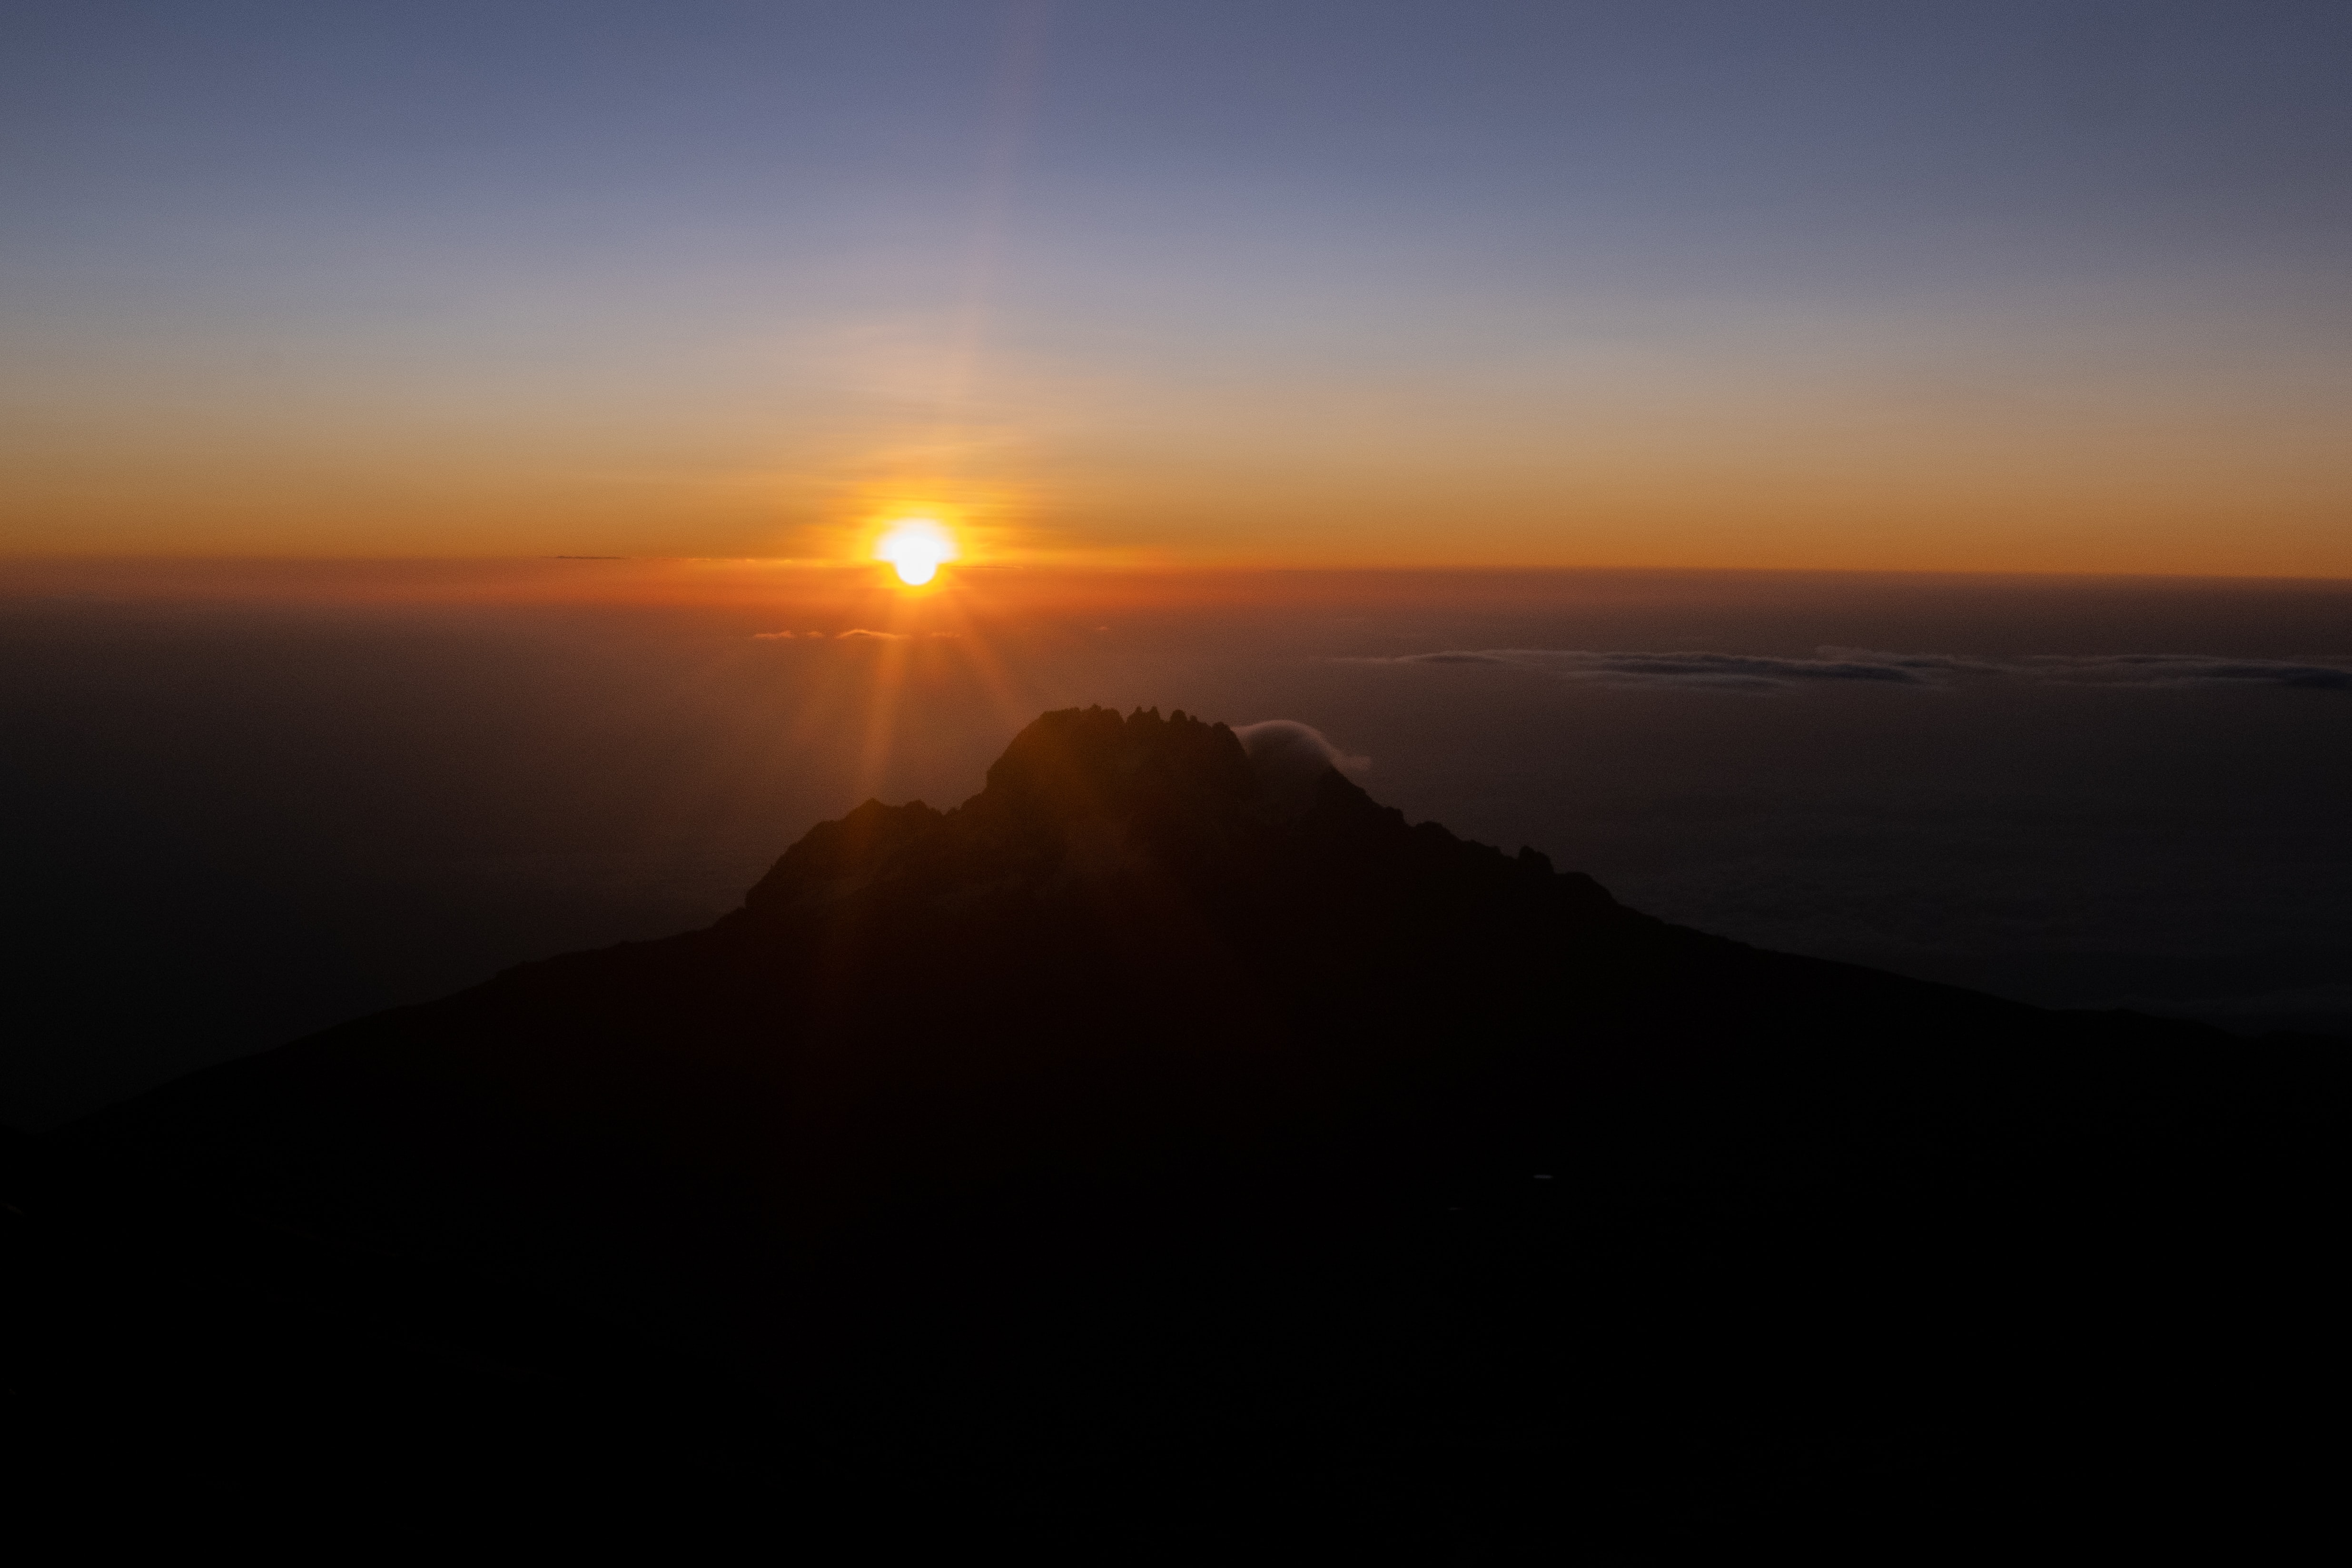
x,y
1982,288
1867,480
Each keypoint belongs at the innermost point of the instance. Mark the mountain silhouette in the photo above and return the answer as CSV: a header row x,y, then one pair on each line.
x,y
1176,1147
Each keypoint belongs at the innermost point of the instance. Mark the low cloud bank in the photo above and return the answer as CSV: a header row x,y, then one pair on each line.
x,y
1764,672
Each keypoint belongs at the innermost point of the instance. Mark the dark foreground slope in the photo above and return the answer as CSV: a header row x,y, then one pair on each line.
x,y
1168,1155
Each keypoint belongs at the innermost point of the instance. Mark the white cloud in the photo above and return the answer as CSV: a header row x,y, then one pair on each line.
x,y
1290,757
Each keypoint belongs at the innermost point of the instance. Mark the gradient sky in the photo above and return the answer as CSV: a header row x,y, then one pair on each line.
x,y
1980,286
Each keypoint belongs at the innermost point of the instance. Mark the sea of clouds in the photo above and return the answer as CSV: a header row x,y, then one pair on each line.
x,y
1766,671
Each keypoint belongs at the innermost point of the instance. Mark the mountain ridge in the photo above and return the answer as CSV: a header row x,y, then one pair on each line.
x,y
1147,1021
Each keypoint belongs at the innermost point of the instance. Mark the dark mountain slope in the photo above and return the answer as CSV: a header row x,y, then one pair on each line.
x,y
1156,1120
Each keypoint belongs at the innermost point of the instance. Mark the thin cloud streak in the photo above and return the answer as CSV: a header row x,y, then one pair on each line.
x,y
1760,672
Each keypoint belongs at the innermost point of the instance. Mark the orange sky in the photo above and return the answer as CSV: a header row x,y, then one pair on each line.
x,y
1688,459
1829,493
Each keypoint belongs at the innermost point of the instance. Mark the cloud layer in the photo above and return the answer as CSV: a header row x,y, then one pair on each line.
x,y
1766,671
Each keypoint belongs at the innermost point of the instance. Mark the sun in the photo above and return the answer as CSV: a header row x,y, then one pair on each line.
x,y
916,546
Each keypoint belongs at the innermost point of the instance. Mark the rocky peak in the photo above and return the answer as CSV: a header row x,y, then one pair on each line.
x,y
1081,784
1086,797
1084,762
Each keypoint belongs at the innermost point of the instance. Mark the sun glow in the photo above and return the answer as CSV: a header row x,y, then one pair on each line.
x,y
916,546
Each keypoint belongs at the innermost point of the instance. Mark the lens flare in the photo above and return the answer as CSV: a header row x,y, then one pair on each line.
x,y
916,546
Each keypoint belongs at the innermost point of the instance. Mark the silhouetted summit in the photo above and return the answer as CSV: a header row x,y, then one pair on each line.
x,y
1162,1113
1083,797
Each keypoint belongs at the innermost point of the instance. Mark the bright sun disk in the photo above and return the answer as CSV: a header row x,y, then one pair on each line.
x,y
916,546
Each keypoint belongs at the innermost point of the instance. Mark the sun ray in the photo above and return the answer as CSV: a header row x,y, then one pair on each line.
x,y
971,646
